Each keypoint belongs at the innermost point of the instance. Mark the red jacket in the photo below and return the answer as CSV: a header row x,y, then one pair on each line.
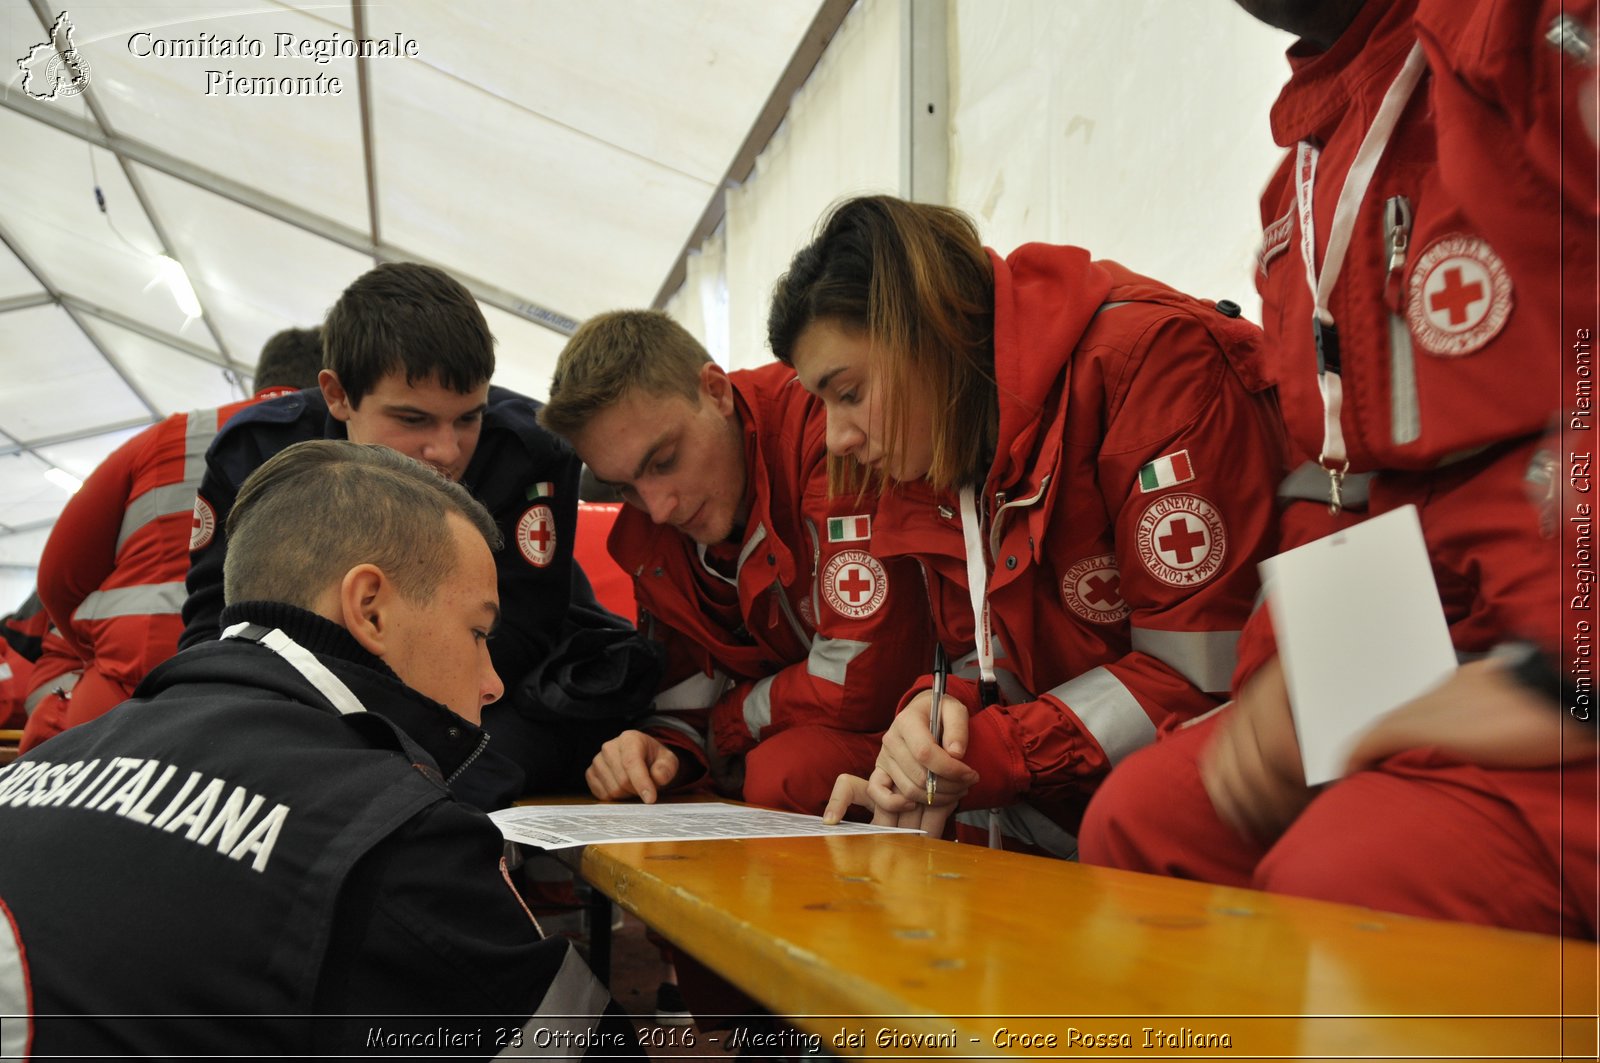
x,y
816,631
1452,339
1445,342
112,572
47,700
1117,592
613,588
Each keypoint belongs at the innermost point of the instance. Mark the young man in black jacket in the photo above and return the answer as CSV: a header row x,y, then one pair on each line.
x,y
260,851
407,360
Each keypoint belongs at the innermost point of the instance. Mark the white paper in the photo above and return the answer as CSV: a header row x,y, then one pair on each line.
x,y
564,826
1360,632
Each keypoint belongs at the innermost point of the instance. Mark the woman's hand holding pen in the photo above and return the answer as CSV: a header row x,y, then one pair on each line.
x,y
897,790
909,753
853,790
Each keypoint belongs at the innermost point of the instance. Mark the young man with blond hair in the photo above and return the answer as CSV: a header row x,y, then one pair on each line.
x,y
787,640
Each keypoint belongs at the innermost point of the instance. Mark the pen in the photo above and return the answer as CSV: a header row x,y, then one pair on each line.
x,y
941,665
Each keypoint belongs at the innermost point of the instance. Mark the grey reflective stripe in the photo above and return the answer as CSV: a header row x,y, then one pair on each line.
x,y
672,723
149,600
758,707
1310,483
15,1033
830,658
61,683
1204,658
1405,416
750,547
202,429
1109,710
156,502
699,691
1112,305
570,1010
1028,825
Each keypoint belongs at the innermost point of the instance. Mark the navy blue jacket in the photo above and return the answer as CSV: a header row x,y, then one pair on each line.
x,y
228,844
513,456
558,651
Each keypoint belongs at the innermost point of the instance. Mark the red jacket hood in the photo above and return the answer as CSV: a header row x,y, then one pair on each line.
x,y
1045,297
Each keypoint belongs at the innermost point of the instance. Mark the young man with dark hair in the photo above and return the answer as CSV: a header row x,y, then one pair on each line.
x,y
787,641
111,574
407,363
315,876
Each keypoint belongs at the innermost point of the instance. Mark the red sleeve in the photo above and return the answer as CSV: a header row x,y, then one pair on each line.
x,y
82,549
1187,555
862,655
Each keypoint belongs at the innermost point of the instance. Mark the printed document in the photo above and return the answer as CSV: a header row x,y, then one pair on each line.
x,y
564,826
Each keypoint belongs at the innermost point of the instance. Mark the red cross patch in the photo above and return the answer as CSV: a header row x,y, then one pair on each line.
x,y
1092,588
1182,540
204,525
854,584
536,535
1460,296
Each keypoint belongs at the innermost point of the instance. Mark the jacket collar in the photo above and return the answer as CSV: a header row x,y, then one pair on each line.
x,y
1322,86
448,738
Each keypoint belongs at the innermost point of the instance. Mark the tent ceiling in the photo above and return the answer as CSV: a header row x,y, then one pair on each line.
x,y
558,157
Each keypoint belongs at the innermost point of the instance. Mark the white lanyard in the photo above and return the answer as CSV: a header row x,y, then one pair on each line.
x,y
978,588
1334,456
302,661
978,585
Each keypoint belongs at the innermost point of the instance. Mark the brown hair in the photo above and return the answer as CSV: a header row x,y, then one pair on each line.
x,y
614,353
916,280
290,359
411,318
319,508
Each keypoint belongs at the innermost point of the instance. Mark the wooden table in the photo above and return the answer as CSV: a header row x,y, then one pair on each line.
x,y
905,946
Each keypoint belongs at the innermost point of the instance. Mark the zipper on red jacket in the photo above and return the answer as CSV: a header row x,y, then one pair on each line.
x,y
1001,505
1405,415
816,569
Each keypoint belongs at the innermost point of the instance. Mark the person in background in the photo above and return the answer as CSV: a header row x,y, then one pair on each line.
x,y
1438,309
1080,458
111,573
407,360
24,629
317,880
15,673
786,639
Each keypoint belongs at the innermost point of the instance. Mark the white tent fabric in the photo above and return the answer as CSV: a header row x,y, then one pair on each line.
x,y
555,155
842,137
1137,129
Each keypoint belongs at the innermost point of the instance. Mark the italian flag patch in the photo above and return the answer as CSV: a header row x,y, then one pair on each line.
x,y
849,529
542,489
1169,470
